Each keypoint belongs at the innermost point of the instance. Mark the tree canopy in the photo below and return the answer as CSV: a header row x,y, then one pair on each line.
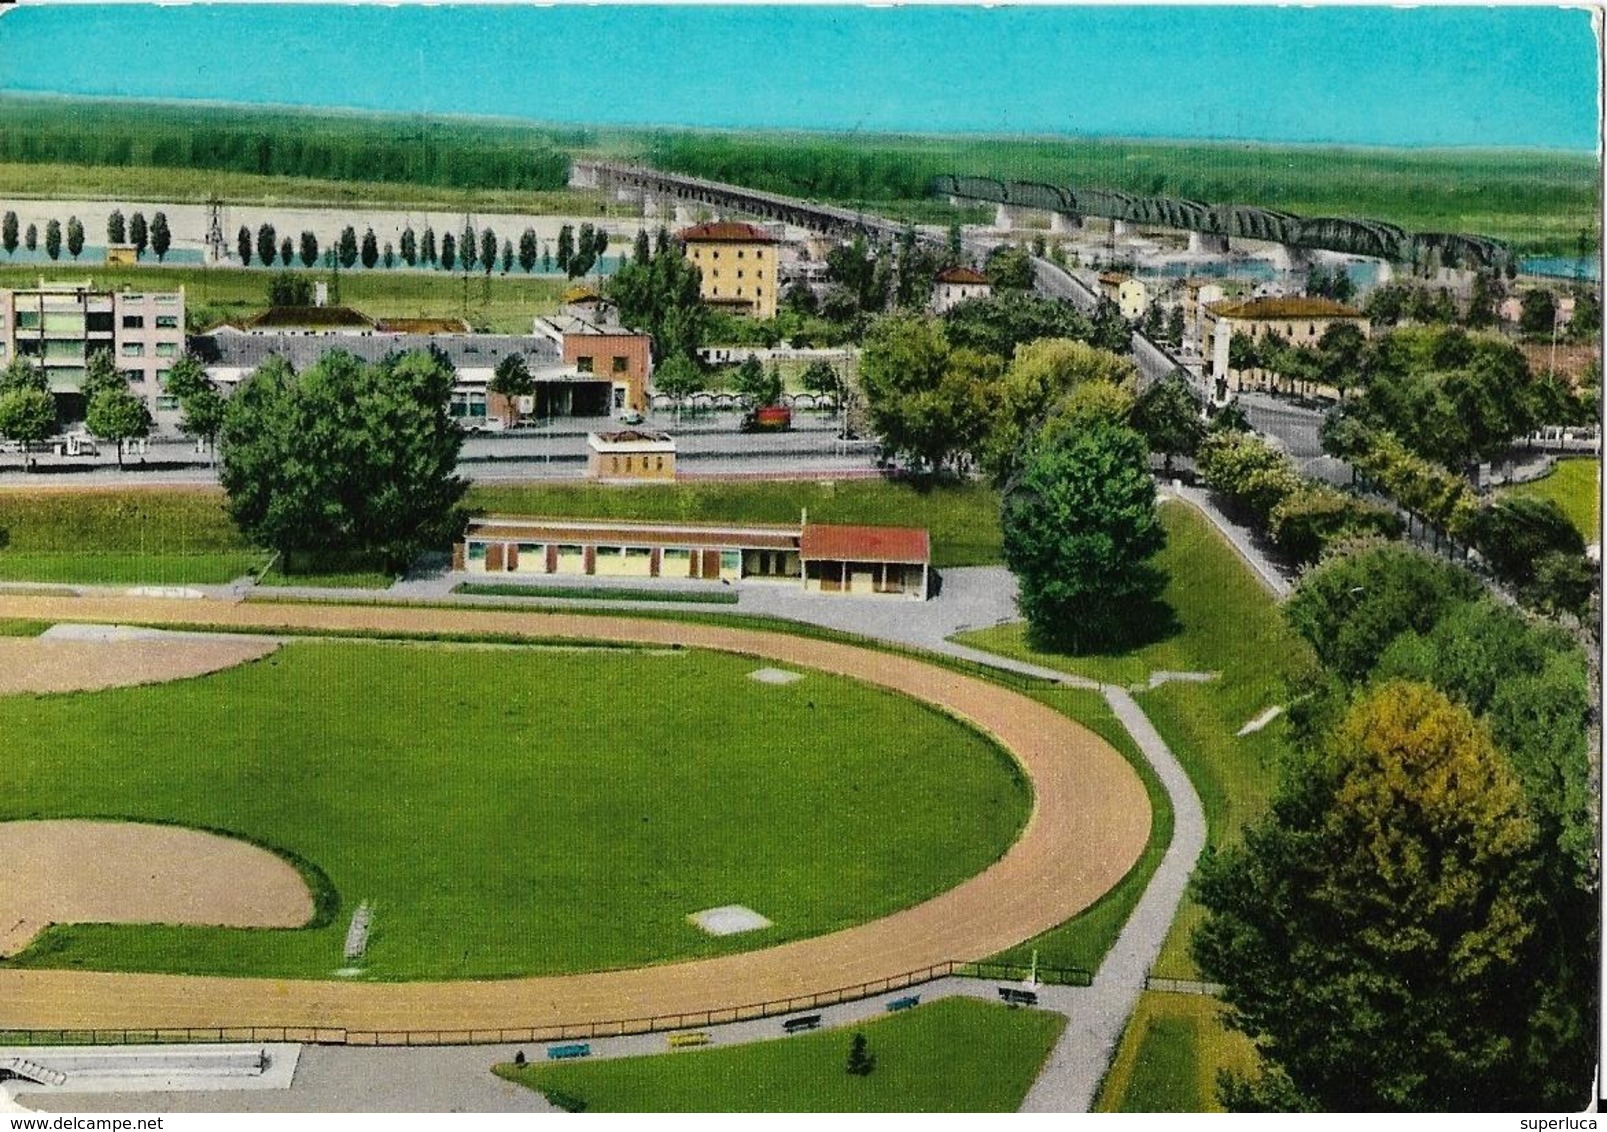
x,y
345,459
927,400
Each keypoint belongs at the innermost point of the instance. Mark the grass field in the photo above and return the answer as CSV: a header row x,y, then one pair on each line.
x,y
145,537
496,303
522,810
955,1055
963,518
1575,486
1170,1055
1226,623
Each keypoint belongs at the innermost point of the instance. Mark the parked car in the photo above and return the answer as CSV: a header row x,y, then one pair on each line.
x,y
631,417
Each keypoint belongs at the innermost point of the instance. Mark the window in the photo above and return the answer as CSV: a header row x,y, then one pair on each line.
x,y
477,552
714,275
739,275
27,320
658,463
127,298
627,463
584,364
167,349
133,349
613,463
167,300
167,322
739,253
161,377
758,292
167,403
133,376
758,254
716,255
621,363
133,322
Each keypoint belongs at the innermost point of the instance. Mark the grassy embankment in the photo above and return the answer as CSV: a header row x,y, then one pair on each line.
x,y
507,811
955,1055
1225,623
1575,486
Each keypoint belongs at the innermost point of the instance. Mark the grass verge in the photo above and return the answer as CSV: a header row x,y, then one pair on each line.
x,y
1575,486
954,1055
1170,1055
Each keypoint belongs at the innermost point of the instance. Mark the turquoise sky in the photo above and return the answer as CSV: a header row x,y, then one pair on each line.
x,y
1516,76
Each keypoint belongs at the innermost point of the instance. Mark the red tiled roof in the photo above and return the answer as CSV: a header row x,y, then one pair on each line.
x,y
725,232
865,544
1295,306
961,275
309,316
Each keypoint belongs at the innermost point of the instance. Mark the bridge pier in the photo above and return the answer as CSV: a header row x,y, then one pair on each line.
x,y
1005,217
1207,242
1123,228
583,176
1063,223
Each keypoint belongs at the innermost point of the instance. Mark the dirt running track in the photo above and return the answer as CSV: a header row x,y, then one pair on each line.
x,y
1089,823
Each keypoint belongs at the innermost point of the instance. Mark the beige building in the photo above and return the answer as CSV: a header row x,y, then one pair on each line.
x,y
1299,320
1129,294
58,325
738,264
955,285
632,455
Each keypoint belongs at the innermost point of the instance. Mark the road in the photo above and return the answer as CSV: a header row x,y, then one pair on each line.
x,y
1298,432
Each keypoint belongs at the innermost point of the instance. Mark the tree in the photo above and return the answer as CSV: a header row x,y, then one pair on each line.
x,y
119,416
678,376
1038,378
199,400
138,234
1249,473
428,255
1176,326
1516,531
347,251
53,239
1079,530
1481,302
821,378
409,246
546,259
566,246
27,416
1373,931
661,299
267,245
8,232
309,249
599,245
1352,607
286,289
1001,323
287,251
511,380
346,460
449,251
162,237
75,237
101,376
642,251
370,253
1340,351
1585,324
507,256
926,400
585,253
1539,312
116,232
1009,268
466,247
1168,416
388,257
1110,330
758,386
30,238
488,250
861,1062
528,253
242,241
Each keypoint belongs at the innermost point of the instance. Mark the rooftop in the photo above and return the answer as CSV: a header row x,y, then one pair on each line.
x,y
307,316
464,351
423,326
631,436
1291,306
967,275
725,232
865,544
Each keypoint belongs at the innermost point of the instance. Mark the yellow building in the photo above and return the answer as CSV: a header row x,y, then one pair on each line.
x,y
1299,320
630,456
738,263
122,255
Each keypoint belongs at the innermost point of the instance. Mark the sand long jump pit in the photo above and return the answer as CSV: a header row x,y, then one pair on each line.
x,y
81,872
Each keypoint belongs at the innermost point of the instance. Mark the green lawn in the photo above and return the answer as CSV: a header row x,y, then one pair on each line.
x,y
496,303
1575,486
963,518
522,810
1083,940
1170,1055
1226,623
149,537
954,1055
336,579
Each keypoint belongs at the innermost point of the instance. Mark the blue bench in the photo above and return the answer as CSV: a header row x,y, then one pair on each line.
x,y
801,1023
905,1003
1017,997
577,1049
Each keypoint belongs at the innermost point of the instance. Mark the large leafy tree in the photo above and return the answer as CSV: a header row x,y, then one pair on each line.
x,y
409,246
1002,322
1079,531
678,376
242,244
267,244
116,230
927,400
8,232
1039,376
118,415
53,239
756,384
345,460
511,380
1373,931
660,298
27,410
309,249
1168,415
1009,268
347,248
200,401
370,252
528,252
488,250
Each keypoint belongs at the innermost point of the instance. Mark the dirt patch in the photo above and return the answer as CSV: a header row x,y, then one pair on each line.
x,y
1089,824
35,664
82,872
